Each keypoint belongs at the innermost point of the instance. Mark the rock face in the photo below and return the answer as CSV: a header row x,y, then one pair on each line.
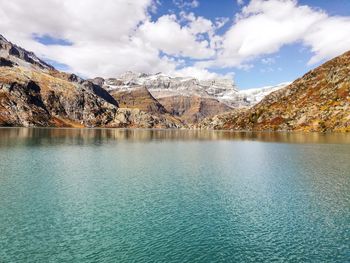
x,y
140,98
20,56
32,98
318,101
192,109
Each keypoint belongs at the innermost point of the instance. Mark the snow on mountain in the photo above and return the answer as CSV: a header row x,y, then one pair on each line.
x,y
13,54
161,85
250,97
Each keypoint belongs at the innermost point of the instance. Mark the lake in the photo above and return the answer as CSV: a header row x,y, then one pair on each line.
x,y
109,195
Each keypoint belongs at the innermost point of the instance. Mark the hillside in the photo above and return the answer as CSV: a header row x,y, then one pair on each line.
x,y
318,101
138,97
192,109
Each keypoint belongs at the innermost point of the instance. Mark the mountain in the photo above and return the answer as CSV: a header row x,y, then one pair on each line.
x,y
162,86
250,97
190,99
318,101
192,109
140,98
11,54
33,93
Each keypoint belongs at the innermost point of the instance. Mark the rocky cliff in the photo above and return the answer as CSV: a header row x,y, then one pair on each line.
x,y
318,101
192,109
140,98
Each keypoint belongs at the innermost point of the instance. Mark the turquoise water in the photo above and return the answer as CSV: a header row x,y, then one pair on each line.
x,y
90,195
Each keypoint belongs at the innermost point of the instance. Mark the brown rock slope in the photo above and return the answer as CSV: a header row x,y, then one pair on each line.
x,y
318,101
192,109
33,98
138,97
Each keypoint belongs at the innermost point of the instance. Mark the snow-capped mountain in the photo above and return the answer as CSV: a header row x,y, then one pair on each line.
x,y
161,86
250,97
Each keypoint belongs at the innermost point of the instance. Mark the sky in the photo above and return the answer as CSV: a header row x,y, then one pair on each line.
x,y
255,43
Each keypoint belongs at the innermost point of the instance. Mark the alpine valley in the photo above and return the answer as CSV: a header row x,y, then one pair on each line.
x,y
35,94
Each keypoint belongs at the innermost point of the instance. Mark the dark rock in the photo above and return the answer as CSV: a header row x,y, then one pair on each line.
x,y
6,63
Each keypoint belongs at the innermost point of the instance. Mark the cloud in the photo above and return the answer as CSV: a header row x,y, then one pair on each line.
x,y
104,39
167,35
186,3
263,27
119,35
100,34
328,39
199,73
268,61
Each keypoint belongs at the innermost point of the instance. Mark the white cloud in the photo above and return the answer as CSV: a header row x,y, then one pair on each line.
x,y
100,33
263,27
221,21
167,35
120,35
186,3
240,2
268,61
107,38
205,28
329,38
199,73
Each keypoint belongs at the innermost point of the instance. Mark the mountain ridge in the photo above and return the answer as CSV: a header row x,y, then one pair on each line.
x,y
317,101
33,93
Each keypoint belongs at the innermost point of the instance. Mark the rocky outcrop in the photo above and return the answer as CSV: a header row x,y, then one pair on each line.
x,y
33,98
318,101
140,98
135,118
6,63
192,109
20,56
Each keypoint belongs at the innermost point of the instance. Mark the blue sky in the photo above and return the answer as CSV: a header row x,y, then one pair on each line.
x,y
289,63
256,43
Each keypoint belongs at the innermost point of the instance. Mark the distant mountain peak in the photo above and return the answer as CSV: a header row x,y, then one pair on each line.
x,y
20,56
162,85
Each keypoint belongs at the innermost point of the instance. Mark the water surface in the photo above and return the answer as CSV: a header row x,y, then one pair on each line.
x,y
107,195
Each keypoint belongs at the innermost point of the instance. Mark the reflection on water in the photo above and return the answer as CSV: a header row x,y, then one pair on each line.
x,y
49,136
109,195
